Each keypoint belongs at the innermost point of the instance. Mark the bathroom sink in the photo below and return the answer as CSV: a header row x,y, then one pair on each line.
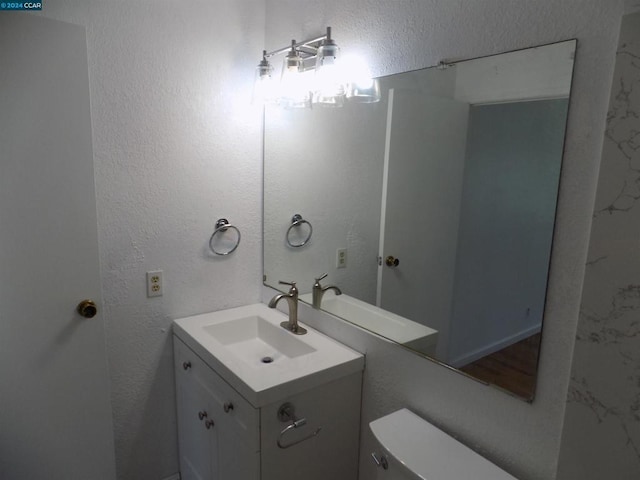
x,y
260,359
386,324
253,339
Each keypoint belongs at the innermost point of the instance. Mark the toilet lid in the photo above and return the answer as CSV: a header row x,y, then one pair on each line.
x,y
429,452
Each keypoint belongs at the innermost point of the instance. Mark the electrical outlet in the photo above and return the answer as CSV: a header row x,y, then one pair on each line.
x,y
341,258
154,283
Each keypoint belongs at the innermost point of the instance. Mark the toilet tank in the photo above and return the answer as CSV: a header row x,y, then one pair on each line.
x,y
415,449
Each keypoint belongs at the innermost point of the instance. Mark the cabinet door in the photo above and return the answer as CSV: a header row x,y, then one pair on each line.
x,y
198,445
218,431
235,460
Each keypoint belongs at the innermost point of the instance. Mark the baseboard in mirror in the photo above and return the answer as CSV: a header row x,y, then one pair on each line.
x,y
493,347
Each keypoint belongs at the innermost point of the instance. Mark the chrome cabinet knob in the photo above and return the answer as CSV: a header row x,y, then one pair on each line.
x,y
209,424
186,365
202,415
228,406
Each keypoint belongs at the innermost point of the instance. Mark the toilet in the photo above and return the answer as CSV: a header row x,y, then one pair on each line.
x,y
412,449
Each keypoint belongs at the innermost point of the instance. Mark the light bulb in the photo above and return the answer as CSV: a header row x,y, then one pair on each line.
x,y
264,87
329,85
294,92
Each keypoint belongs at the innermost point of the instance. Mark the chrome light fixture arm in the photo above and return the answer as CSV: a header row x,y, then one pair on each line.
x,y
307,47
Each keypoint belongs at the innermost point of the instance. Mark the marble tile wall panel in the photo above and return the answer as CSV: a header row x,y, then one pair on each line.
x,y
601,435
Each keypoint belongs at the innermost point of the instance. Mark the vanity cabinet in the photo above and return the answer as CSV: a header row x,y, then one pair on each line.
x,y
218,430
222,436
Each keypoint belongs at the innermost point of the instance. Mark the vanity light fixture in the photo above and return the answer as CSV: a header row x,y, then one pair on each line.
x,y
313,73
264,87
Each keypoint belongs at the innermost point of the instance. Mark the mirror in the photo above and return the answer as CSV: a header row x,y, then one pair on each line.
x,y
432,211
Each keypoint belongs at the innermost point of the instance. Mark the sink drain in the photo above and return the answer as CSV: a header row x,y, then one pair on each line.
x,y
266,359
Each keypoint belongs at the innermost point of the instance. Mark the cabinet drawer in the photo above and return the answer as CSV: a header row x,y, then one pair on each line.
x,y
231,412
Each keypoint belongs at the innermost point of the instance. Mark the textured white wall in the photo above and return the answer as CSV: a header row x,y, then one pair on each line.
x,y
404,35
631,6
175,148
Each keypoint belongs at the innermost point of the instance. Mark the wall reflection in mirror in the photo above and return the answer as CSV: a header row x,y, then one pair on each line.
x,y
432,211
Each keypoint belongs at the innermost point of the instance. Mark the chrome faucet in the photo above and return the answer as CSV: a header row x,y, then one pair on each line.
x,y
292,301
319,290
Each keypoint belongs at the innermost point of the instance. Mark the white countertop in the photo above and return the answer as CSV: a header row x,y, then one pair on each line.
x,y
320,360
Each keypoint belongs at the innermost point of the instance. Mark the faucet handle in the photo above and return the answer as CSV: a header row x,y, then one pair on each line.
x,y
293,290
321,277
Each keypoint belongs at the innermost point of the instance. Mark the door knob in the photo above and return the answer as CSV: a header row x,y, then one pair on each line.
x,y
392,261
87,308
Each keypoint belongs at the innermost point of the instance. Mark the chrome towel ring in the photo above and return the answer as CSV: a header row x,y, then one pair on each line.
x,y
287,413
296,424
222,225
296,221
